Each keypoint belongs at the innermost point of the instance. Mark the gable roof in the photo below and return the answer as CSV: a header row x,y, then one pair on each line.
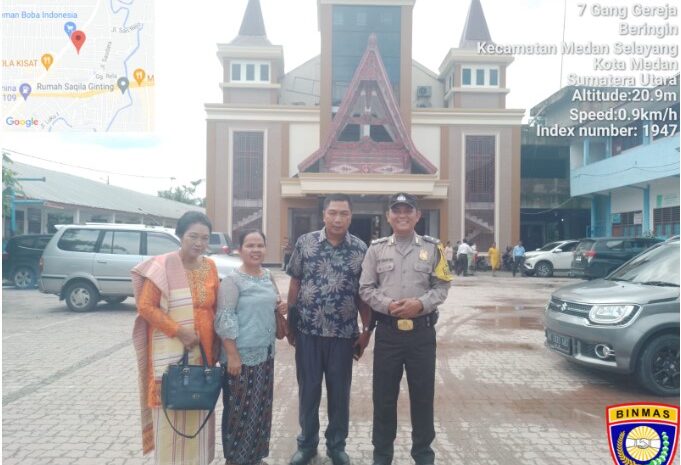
x,y
369,87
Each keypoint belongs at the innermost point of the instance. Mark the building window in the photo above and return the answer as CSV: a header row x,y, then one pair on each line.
x,y
480,76
480,190
493,77
666,221
466,77
247,181
627,224
352,25
250,72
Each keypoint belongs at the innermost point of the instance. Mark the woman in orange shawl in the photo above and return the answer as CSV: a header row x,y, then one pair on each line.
x,y
176,296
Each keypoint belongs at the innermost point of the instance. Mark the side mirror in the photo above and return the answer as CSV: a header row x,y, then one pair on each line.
x,y
557,250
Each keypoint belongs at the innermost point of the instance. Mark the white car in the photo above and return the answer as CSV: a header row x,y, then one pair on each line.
x,y
554,256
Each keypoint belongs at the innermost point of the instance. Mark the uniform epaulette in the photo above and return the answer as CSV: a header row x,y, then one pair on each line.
x,y
380,240
432,240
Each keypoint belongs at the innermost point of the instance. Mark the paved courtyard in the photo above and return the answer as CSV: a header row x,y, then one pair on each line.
x,y
69,386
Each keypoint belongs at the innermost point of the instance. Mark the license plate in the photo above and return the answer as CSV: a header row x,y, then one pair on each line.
x,y
559,342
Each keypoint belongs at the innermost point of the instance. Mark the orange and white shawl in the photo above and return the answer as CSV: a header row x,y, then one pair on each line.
x,y
168,274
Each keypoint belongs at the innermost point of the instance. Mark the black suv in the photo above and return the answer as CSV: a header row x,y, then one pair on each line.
x,y
20,259
598,256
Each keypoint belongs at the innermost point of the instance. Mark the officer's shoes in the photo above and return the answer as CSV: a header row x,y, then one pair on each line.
x,y
303,457
338,457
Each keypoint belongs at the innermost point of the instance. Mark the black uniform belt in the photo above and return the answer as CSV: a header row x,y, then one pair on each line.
x,y
407,324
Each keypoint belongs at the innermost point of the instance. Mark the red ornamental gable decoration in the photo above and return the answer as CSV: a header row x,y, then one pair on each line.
x,y
367,134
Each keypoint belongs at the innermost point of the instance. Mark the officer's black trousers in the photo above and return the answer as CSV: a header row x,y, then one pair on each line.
x,y
394,352
316,358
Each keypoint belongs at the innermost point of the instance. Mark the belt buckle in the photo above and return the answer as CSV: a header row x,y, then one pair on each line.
x,y
405,325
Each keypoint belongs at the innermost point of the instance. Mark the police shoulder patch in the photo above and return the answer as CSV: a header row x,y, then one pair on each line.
x,y
432,240
380,240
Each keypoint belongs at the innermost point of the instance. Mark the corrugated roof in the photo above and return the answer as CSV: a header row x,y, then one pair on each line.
x,y
68,189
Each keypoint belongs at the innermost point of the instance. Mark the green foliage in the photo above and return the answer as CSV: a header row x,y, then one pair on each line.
x,y
184,194
9,182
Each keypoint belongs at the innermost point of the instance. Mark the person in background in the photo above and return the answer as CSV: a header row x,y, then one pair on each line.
x,y
518,256
449,255
473,258
494,258
462,254
245,321
176,295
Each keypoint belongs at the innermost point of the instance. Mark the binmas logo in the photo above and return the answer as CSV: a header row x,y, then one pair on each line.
x,y
27,123
642,434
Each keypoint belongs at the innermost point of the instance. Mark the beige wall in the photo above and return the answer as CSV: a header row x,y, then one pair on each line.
x,y
427,141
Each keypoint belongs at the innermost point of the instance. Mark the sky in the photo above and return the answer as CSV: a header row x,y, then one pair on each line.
x,y
188,74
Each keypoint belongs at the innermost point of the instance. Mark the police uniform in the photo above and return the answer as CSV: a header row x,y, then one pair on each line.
x,y
392,272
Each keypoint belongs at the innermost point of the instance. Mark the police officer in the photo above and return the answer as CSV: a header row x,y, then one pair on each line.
x,y
404,278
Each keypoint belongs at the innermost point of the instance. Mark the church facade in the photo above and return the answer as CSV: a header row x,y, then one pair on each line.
x,y
366,119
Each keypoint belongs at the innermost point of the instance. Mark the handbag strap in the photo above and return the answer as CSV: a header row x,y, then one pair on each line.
x,y
165,411
185,357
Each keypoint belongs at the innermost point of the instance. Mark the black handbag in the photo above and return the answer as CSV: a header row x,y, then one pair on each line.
x,y
190,387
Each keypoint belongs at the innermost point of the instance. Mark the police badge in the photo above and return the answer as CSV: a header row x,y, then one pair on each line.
x,y
642,434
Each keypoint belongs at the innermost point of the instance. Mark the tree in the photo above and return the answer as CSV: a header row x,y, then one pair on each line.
x,y
184,194
9,183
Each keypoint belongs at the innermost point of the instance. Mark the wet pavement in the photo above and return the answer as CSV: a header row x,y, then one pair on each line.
x,y
70,397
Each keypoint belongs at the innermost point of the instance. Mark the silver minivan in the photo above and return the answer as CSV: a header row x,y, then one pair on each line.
x,y
627,322
84,264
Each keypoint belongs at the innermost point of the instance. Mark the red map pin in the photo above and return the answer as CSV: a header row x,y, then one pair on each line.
x,y
78,38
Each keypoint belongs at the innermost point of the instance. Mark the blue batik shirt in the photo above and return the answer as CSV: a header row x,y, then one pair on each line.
x,y
329,284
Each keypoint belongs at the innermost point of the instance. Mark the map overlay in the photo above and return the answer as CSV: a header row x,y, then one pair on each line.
x,y
77,66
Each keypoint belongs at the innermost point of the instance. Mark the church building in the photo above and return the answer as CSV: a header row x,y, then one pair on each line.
x,y
366,119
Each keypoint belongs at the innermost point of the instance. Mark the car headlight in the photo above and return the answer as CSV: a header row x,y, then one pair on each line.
x,y
610,314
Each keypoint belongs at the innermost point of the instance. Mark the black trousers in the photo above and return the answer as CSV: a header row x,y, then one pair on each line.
x,y
330,358
396,351
462,264
518,264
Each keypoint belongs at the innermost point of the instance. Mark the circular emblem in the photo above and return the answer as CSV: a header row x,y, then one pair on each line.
x,y
643,443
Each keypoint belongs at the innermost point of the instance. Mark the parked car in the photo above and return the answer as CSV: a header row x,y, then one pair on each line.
x,y
627,322
84,264
220,243
554,256
20,259
597,257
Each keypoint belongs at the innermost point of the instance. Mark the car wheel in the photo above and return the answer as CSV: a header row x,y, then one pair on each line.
x,y
81,296
658,366
544,269
115,299
24,277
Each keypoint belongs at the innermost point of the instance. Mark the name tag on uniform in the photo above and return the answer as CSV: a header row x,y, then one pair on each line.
x,y
423,255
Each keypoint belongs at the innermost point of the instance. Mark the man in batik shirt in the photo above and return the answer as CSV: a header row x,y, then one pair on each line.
x,y
325,267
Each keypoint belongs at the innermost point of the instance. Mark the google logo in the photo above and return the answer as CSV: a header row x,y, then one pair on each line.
x,y
10,121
